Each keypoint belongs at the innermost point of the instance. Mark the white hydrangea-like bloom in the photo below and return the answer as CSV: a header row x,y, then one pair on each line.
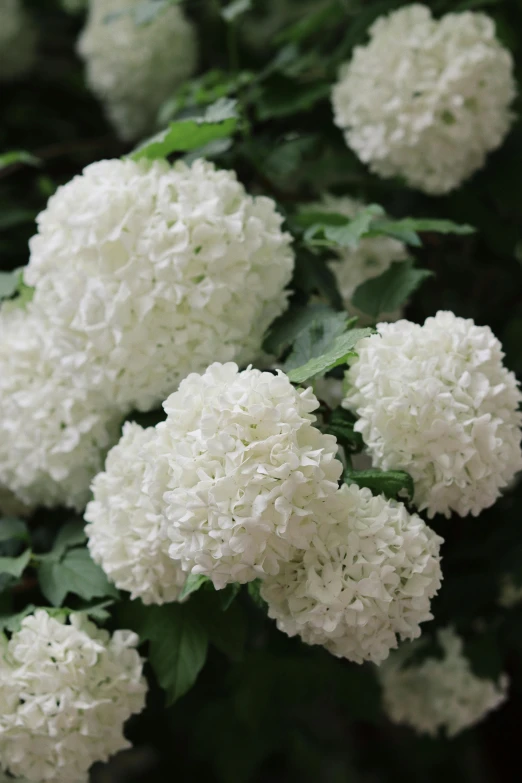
x,y
127,534
439,693
241,467
53,432
149,272
66,691
133,68
17,40
437,402
426,99
367,578
371,257
510,593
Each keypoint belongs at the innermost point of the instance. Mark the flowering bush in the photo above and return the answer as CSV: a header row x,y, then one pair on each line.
x,y
260,427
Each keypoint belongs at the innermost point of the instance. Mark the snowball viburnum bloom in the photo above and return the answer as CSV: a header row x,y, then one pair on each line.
x,y
133,68
127,534
439,693
54,431
17,40
371,257
367,578
241,467
148,272
66,691
426,99
436,401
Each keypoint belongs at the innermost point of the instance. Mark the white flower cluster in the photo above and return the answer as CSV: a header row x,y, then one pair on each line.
x,y
371,257
133,68
367,578
246,487
236,470
143,272
17,40
151,271
436,401
439,693
54,432
426,99
127,534
66,691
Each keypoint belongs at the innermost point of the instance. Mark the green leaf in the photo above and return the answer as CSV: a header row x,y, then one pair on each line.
x,y
224,626
313,274
408,229
193,583
228,595
395,484
11,218
15,566
316,338
75,573
339,353
178,644
12,622
72,534
341,426
18,156
97,611
10,528
297,318
282,97
331,231
235,9
389,291
219,121
254,591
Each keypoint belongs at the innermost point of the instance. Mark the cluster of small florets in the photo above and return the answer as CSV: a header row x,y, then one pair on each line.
x,y
439,693
436,401
371,257
151,271
246,487
236,471
426,99
143,272
367,578
66,690
128,530
54,431
134,67
17,40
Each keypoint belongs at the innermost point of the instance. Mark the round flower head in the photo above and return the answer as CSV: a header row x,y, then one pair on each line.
x,y
127,534
134,67
149,272
437,402
241,467
439,693
17,40
53,432
426,99
367,578
370,258
66,691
